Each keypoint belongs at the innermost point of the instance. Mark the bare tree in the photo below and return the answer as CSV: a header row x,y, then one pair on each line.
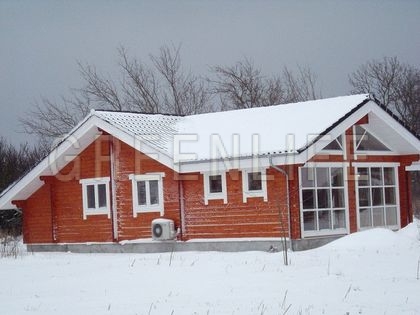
x,y
243,86
396,85
50,120
300,87
182,92
162,86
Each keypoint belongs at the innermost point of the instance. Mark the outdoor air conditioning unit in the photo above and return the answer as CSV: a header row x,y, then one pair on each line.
x,y
163,229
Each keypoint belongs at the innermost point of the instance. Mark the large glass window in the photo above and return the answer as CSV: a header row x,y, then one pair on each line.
x,y
323,204
147,193
377,197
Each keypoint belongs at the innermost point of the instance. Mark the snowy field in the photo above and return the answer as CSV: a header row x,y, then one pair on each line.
x,y
372,272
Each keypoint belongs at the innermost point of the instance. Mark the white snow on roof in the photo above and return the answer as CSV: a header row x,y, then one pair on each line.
x,y
270,125
156,129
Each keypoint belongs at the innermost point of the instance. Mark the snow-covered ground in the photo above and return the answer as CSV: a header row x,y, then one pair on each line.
x,y
372,272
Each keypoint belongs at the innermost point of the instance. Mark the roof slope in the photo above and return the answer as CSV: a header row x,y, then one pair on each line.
x,y
271,124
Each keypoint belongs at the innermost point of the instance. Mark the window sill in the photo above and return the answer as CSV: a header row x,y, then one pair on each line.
x,y
148,210
220,196
324,233
255,194
97,212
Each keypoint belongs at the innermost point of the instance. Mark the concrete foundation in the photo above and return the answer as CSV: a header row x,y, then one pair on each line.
x,y
310,243
272,245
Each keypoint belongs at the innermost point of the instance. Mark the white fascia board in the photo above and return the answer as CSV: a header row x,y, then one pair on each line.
x,y
136,142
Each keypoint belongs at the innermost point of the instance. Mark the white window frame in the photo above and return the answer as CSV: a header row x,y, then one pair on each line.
x,y
397,192
160,207
246,193
339,231
214,196
97,210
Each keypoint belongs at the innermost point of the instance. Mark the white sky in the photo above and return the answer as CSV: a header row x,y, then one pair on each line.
x,y
40,41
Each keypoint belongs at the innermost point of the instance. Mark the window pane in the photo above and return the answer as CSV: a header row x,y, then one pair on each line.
x,y
324,219
90,190
308,196
389,176
376,176
337,177
368,142
378,217
377,196
215,184
390,196
365,217
141,193
334,145
308,177
309,221
322,177
363,176
102,195
254,181
323,198
391,216
364,197
154,192
338,198
339,220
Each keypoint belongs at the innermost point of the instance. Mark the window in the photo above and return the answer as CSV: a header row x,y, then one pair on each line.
x,y
254,184
95,195
323,201
214,187
377,194
335,145
365,141
147,193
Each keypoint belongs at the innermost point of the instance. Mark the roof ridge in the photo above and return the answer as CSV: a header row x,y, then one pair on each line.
x,y
135,112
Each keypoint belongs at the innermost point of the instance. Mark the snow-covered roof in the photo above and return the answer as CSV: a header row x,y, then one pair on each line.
x,y
241,132
156,129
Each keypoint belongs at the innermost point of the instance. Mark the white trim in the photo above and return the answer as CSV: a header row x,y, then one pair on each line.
x,y
345,153
160,207
254,193
97,210
214,196
395,166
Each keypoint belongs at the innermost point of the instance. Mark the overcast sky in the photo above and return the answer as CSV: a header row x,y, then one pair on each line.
x,y
40,41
